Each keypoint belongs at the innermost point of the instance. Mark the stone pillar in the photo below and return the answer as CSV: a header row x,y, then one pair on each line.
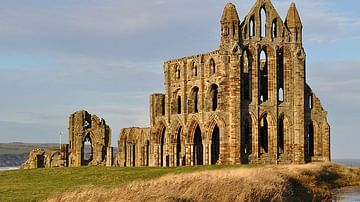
x,y
255,140
129,155
299,104
326,142
205,154
174,152
156,155
273,129
188,154
231,154
109,156
210,154
160,157
192,155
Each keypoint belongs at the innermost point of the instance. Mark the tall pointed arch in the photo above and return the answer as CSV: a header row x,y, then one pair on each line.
x,y
281,135
198,147
215,145
267,134
87,150
179,156
179,140
162,146
194,100
195,136
214,96
246,75
263,75
263,21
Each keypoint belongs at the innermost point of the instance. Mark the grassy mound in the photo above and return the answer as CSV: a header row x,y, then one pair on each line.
x,y
269,183
215,183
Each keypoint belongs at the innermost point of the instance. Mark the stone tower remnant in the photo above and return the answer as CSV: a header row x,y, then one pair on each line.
x,y
247,102
83,128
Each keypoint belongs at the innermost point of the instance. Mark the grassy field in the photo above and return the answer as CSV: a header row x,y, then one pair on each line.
x,y
190,183
38,184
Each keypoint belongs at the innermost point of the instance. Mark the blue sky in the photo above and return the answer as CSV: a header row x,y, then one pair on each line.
x,y
57,57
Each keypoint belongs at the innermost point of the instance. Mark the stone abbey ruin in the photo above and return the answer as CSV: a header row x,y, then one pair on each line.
x,y
247,102
83,127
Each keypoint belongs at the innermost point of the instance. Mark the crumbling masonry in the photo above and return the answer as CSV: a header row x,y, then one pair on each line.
x,y
247,102
83,128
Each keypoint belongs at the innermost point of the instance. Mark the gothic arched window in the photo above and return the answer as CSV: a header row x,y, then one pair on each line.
x,y
263,76
214,97
212,66
263,22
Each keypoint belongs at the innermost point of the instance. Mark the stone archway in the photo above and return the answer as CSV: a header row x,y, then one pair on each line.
x,y
281,136
247,150
198,147
87,151
179,160
40,161
162,146
264,135
215,145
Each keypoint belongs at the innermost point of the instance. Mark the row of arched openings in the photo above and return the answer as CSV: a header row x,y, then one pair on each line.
x,y
194,100
264,135
263,78
198,147
194,69
263,31
281,136
132,148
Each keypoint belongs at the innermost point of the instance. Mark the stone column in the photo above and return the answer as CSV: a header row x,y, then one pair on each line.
x,y
131,155
174,153
255,140
326,142
188,154
109,156
299,104
205,154
156,155
192,155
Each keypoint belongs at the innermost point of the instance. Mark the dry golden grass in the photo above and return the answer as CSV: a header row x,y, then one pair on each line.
x,y
269,183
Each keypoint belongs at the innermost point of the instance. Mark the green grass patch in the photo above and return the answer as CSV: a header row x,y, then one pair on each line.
x,y
38,184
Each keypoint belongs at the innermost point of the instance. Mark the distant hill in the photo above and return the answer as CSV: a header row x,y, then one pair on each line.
x,y
16,153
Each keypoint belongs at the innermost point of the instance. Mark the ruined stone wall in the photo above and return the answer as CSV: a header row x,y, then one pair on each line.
x,y
82,126
247,102
316,121
134,148
86,127
44,158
